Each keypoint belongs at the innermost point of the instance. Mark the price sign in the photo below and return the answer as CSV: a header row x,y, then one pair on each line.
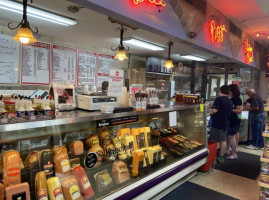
x,y
91,160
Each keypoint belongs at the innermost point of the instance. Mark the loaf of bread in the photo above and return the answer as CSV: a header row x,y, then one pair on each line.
x,y
76,148
103,181
2,192
11,168
61,164
71,188
104,138
120,172
110,152
59,149
55,189
91,140
41,186
32,159
83,181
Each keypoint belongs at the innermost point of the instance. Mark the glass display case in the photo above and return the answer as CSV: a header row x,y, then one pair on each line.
x,y
90,155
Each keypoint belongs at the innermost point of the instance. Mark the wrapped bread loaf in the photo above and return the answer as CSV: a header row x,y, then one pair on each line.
x,y
2,192
83,181
104,138
110,153
55,189
41,186
120,172
32,159
61,164
91,140
76,148
103,181
71,188
11,168
59,149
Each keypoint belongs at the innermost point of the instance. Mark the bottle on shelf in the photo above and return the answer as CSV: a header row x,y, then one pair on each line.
x,y
52,105
30,111
21,109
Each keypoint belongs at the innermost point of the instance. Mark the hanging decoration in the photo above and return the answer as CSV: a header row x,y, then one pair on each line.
x,y
121,54
248,50
169,63
217,32
156,2
25,33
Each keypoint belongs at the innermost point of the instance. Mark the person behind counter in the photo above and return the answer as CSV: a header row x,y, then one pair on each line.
x,y
220,113
105,87
257,118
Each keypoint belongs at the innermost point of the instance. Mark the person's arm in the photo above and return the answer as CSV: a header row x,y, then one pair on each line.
x,y
215,107
238,109
254,105
213,111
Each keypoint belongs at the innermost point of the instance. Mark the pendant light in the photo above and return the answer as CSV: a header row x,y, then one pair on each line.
x,y
25,33
121,54
169,63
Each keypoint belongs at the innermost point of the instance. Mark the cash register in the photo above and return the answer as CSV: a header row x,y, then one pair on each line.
x,y
90,102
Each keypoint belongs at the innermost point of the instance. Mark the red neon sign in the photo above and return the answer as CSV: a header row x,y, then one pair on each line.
x,y
157,2
217,32
248,50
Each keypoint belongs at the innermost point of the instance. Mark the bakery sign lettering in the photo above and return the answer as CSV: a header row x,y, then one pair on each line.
x,y
156,2
116,121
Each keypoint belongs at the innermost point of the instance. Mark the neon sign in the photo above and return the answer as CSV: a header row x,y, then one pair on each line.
x,y
248,50
217,32
156,2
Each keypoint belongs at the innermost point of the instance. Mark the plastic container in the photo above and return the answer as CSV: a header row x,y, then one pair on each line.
x,y
212,147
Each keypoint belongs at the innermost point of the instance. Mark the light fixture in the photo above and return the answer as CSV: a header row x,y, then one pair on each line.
x,y
169,63
192,57
144,44
121,54
36,13
257,34
25,33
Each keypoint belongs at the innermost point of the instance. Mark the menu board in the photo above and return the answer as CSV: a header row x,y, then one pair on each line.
x,y
86,67
106,62
36,64
63,64
9,59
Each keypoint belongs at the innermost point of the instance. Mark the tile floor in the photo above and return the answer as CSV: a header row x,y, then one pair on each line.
x,y
230,184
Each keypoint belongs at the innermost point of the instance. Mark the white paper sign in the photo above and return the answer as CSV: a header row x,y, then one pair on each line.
x,y
63,64
172,89
36,64
115,83
86,67
105,63
9,59
173,118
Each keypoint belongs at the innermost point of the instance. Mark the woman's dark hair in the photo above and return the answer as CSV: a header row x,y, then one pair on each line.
x,y
224,89
235,90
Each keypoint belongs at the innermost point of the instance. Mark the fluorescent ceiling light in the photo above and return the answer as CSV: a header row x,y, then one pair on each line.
x,y
143,44
36,13
191,57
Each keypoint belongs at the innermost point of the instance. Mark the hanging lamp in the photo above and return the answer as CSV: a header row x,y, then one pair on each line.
x,y
121,54
169,63
25,33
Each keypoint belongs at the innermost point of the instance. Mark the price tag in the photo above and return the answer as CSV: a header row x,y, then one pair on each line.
x,y
90,160
173,118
